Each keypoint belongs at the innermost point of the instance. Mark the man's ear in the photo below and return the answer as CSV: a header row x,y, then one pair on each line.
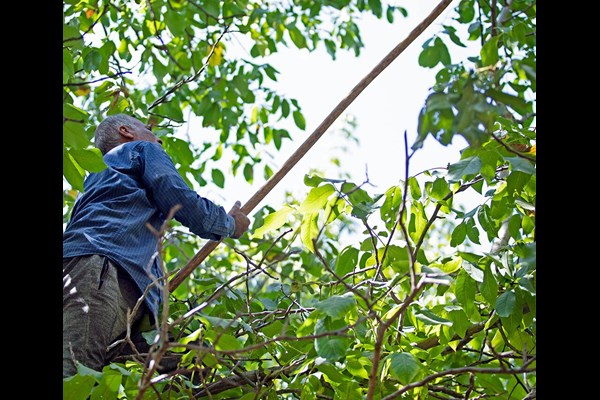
x,y
125,132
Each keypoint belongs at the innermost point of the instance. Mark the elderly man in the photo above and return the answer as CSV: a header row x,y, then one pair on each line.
x,y
110,256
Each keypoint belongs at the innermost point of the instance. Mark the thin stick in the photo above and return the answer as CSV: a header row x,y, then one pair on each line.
x,y
312,139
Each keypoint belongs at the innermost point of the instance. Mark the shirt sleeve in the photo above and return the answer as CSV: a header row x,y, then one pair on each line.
x,y
168,189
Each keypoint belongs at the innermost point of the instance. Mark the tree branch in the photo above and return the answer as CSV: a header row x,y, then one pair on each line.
x,y
461,371
182,82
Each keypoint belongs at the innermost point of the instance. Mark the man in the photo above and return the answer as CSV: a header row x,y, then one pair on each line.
x,y
110,256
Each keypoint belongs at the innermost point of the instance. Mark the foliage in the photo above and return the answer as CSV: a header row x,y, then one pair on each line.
x,y
414,307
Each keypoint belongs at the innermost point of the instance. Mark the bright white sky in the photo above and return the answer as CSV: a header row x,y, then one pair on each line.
x,y
387,108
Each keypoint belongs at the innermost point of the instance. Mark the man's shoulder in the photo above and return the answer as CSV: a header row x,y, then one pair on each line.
x,y
142,144
138,155
138,147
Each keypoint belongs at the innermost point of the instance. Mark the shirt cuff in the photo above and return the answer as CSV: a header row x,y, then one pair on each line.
x,y
230,225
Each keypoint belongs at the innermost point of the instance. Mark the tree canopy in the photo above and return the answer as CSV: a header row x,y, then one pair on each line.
x,y
414,307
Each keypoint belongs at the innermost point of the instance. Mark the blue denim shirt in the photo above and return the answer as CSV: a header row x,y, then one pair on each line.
x,y
141,185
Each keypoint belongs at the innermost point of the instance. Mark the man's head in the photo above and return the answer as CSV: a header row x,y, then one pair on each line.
x,y
121,128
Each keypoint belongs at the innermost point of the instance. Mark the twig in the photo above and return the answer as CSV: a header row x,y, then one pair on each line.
x,y
182,82
380,337
96,80
459,371
159,348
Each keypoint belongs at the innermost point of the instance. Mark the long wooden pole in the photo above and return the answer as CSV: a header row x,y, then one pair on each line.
x,y
180,276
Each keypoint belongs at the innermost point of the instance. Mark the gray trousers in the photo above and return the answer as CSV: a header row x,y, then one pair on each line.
x,y
96,297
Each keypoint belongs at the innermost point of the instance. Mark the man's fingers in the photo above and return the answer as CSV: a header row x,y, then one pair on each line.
x,y
236,206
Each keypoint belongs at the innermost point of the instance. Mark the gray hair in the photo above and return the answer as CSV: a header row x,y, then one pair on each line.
x,y
107,134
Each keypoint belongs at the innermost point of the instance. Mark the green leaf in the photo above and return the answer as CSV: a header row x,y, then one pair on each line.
x,y
404,367
356,368
391,206
336,306
516,103
75,113
443,53
464,168
285,108
267,172
505,304
312,180
346,261
489,161
466,11
331,347
415,189
276,328
332,374
375,6
309,230
92,60
212,8
175,22
299,119
389,14
180,150
521,165
438,102
331,48
397,258
451,32
89,159
459,234
429,57
316,199
296,36
254,115
454,264
272,73
429,318
347,390
514,226
439,189
217,322
108,387
473,271
249,173
487,222
218,177
72,36
74,135
106,50
472,231
273,221
489,286
489,52
464,290
86,371
78,387
72,172
311,385
460,322
227,342
218,153
418,220
355,193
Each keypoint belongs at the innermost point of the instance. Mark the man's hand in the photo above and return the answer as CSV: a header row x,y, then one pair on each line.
x,y
241,220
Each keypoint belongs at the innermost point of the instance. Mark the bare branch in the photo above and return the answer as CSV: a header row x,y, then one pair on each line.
x,y
189,79
461,371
